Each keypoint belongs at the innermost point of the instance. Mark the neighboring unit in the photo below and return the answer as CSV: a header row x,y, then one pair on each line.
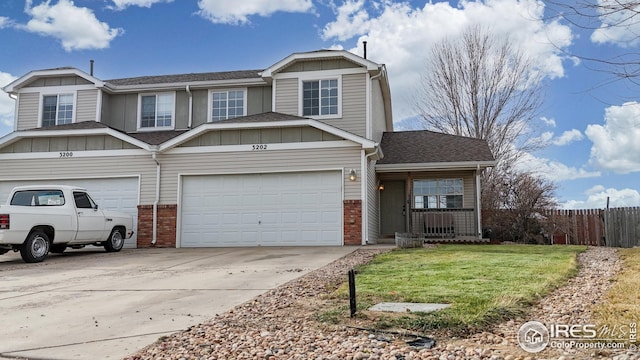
x,y
40,219
294,154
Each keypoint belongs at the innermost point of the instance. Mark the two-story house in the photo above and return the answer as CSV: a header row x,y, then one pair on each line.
x,y
300,153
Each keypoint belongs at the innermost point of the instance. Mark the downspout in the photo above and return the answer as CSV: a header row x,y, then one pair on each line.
x,y
365,197
188,90
154,238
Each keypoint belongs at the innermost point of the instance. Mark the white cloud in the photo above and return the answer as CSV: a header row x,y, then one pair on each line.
x,y
7,105
568,137
123,4
401,36
553,170
549,122
222,12
4,22
597,198
77,28
618,27
615,144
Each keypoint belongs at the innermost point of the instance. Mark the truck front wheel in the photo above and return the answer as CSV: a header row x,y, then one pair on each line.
x,y
35,248
115,241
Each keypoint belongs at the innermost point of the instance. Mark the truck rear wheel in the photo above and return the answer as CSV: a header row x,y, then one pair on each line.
x,y
35,248
115,242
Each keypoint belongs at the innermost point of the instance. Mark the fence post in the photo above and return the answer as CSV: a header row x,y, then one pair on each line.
x,y
352,292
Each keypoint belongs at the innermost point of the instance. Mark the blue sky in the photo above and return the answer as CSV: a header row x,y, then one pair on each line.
x,y
591,125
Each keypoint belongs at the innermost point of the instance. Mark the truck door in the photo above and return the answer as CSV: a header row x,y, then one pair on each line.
x,y
91,223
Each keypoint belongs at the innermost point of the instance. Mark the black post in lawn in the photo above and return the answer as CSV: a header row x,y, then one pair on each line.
x,y
352,292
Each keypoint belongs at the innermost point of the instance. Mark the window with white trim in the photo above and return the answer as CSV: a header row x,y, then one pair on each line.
x,y
438,193
227,104
156,111
57,109
320,97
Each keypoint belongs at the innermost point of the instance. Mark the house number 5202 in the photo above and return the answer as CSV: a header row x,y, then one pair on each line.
x,y
259,147
66,154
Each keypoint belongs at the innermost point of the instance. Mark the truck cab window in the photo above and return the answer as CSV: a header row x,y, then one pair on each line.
x,y
83,201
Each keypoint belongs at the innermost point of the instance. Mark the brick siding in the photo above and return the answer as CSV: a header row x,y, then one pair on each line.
x,y
353,222
166,234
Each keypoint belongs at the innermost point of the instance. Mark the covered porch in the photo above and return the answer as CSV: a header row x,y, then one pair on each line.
x,y
429,186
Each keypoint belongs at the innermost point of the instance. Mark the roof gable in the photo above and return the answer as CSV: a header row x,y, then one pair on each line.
x,y
32,76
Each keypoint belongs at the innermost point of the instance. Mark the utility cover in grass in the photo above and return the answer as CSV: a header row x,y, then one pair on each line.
x,y
408,307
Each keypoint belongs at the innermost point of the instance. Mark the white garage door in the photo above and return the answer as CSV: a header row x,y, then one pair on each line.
x,y
112,194
290,209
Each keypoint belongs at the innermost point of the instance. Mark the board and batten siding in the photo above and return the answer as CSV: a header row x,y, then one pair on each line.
x,y
28,104
86,105
85,168
255,162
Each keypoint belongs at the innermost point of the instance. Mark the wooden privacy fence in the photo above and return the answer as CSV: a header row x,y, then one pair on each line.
x,y
576,227
622,227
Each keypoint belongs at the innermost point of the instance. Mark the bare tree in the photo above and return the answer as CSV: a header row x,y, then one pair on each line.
x,y
519,204
619,15
484,87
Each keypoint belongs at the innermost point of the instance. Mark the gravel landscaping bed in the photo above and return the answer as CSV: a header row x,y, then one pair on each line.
x,y
281,324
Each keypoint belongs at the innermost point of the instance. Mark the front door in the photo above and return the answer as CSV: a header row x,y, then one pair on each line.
x,y
392,208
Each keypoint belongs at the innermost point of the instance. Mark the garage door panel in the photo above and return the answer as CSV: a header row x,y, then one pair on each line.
x,y
263,209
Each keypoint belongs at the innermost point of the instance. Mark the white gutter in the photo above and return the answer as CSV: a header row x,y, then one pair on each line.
x,y
154,238
188,90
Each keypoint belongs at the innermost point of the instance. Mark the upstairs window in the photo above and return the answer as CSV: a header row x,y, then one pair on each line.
x,y
57,109
227,104
320,97
156,111
438,194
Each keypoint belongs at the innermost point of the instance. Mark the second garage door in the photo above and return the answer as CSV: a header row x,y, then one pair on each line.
x,y
290,209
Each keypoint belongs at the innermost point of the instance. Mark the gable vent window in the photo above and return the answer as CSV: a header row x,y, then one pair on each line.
x,y
156,111
320,97
227,104
57,109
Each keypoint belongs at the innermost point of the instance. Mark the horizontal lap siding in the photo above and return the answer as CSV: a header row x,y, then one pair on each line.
x,y
86,104
287,96
354,105
174,165
28,110
69,168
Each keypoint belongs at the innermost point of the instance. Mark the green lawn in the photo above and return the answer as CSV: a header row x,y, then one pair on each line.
x,y
483,283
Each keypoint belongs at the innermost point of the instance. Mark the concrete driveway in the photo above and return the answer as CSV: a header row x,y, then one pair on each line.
x,y
89,304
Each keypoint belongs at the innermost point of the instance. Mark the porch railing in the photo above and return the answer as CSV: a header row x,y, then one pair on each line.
x,y
443,223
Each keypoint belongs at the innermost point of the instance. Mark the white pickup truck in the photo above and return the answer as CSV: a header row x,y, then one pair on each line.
x,y
40,219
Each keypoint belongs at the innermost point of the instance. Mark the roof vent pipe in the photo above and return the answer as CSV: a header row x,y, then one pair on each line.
x,y
91,67
364,45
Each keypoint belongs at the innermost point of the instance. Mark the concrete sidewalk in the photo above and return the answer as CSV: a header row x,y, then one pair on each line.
x,y
97,305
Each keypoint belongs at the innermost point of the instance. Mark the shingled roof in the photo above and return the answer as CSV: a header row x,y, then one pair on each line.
x,y
424,147
186,78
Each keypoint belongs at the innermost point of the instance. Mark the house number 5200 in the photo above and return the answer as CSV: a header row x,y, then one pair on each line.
x,y
66,154
259,147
